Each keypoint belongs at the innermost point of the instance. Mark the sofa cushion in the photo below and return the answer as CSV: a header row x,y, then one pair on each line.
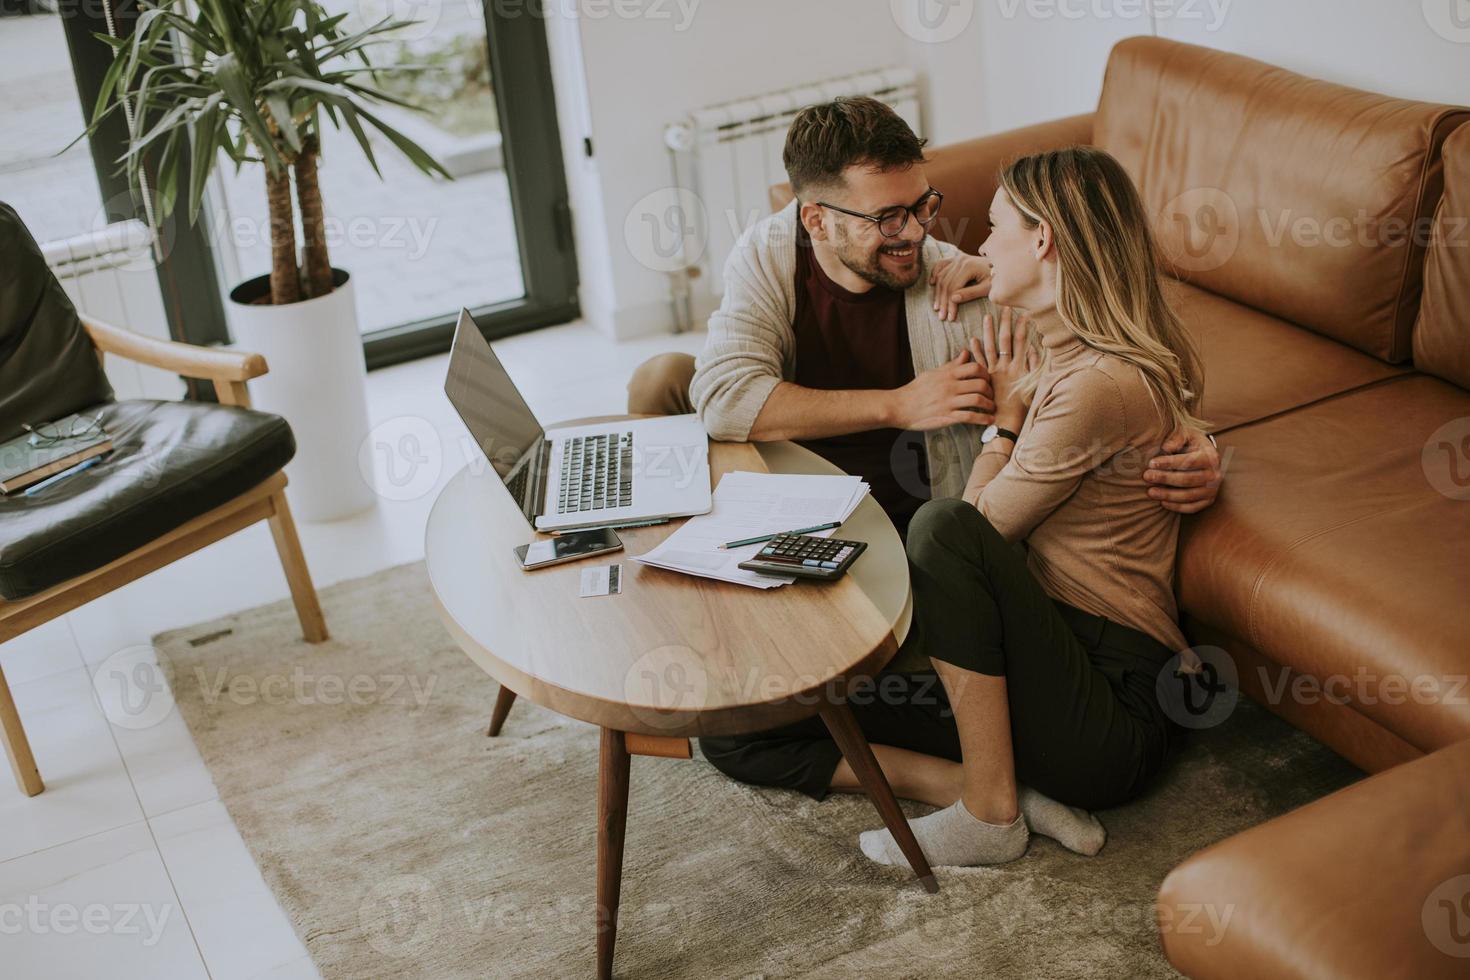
x,y
1304,199
1442,335
48,366
1339,547
170,462
1368,882
1257,365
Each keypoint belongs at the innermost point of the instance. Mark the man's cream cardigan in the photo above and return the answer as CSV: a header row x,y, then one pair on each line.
x,y
752,343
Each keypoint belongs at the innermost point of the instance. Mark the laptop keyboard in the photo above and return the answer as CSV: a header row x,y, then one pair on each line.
x,y
517,484
596,473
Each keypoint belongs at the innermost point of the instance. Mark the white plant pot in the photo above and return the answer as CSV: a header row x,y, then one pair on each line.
x,y
317,382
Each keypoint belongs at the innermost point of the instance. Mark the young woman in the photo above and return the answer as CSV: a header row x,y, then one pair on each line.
x,y
1050,656
1044,598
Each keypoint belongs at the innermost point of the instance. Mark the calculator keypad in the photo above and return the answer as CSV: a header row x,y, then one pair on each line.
x,y
811,557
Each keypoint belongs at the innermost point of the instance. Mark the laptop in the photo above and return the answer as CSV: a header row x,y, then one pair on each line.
x,y
611,474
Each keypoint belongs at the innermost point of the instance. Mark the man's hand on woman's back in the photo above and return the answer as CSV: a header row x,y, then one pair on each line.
x,y
1186,476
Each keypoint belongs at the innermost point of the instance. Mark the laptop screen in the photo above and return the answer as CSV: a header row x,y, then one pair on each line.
x,y
499,420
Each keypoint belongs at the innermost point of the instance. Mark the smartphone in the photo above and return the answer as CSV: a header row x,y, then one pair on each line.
x,y
569,546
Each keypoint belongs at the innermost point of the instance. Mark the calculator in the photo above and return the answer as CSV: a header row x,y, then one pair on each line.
x,y
805,556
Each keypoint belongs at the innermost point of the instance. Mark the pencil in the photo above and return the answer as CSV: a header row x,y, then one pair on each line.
x,y
767,537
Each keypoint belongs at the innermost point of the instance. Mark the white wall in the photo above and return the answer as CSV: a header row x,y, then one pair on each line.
x,y
1044,59
987,66
1387,46
647,63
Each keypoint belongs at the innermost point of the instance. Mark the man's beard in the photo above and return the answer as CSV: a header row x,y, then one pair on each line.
x,y
868,265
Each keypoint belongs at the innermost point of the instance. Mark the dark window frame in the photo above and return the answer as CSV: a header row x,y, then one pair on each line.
x,y
520,72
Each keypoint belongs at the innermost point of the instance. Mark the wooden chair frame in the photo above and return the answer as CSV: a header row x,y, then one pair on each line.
x,y
229,370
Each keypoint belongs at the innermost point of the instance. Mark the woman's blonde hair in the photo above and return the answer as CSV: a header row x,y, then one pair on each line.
x,y
1107,281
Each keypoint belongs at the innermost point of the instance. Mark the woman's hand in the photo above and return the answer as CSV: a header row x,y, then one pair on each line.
x,y
1004,350
958,280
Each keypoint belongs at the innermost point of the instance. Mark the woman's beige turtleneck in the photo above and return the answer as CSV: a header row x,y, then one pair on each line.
x,y
1073,488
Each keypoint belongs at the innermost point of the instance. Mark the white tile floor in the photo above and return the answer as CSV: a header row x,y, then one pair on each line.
x,y
128,865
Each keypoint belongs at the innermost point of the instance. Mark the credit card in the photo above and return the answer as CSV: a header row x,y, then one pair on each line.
x,y
602,580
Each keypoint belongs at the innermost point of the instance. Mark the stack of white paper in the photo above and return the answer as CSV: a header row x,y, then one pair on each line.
x,y
751,504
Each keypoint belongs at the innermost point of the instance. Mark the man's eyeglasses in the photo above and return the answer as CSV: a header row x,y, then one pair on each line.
x,y
50,433
892,221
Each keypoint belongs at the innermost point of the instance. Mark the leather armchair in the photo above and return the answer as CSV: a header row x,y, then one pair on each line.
x,y
180,475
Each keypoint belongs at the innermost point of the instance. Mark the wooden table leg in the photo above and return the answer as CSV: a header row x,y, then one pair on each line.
x,y
612,819
855,749
503,701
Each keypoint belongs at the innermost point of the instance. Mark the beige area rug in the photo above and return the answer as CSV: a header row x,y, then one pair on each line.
x,y
403,842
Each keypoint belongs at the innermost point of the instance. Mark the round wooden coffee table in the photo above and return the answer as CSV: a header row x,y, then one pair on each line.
x,y
673,656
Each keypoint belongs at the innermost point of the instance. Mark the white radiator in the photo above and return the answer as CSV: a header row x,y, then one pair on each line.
x,y
110,274
728,156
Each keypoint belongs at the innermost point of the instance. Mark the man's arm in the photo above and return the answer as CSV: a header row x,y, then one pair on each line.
x,y
954,393
750,338
1186,482
794,412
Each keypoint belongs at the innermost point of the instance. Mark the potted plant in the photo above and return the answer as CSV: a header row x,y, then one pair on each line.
x,y
252,81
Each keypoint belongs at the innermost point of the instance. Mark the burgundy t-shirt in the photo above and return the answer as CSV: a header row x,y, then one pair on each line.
x,y
847,340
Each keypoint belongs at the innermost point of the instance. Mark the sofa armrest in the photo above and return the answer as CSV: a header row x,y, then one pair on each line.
x,y
967,173
1371,881
228,369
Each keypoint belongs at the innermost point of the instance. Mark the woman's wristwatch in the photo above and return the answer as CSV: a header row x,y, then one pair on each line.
x,y
993,432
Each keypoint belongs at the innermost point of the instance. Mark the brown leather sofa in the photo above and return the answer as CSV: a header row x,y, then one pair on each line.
x,y
1319,242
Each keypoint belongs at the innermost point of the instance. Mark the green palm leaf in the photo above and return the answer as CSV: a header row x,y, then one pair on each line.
x,y
246,80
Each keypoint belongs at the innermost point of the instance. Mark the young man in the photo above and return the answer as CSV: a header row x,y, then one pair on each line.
x,y
846,328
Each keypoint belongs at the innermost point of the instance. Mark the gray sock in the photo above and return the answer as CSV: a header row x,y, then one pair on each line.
x,y
952,837
1073,828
